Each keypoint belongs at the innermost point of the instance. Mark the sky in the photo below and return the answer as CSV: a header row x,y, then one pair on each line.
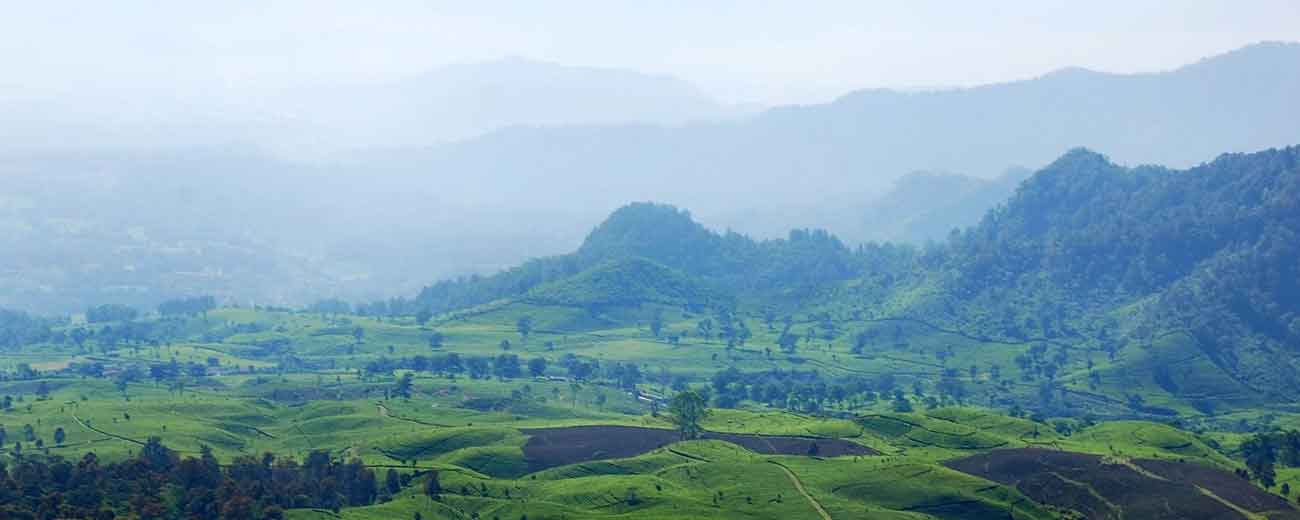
x,y
752,51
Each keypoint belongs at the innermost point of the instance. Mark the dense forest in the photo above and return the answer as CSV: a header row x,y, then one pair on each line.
x,y
158,483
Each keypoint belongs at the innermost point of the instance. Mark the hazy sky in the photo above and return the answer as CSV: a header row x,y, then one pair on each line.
x,y
738,51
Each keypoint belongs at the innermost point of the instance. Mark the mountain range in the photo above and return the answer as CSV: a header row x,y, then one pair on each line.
x,y
97,226
1181,280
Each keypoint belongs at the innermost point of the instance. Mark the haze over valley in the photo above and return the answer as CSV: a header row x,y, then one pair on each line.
x,y
930,260
387,211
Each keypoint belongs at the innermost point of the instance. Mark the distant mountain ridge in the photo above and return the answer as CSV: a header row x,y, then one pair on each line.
x,y
927,206
828,156
385,222
439,105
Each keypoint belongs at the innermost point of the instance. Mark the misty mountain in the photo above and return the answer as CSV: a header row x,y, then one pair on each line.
x,y
847,151
925,206
96,227
457,102
439,105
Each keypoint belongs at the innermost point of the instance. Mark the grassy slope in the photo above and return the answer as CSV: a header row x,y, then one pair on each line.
x,y
248,414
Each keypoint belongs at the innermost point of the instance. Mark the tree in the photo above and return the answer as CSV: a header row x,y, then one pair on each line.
x,y
160,458
432,487
657,322
860,342
392,482
537,366
687,410
59,435
525,326
1260,455
705,328
238,507
506,366
788,341
504,345
403,387
435,340
358,334
3,435
901,404
423,316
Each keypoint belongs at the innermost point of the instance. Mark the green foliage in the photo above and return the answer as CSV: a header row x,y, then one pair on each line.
x,y
687,410
624,282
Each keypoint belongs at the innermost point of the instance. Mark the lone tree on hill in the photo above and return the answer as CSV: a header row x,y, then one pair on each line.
x,y
687,409
403,387
525,326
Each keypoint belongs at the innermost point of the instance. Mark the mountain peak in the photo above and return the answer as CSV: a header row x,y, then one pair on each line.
x,y
660,232
1265,55
1080,158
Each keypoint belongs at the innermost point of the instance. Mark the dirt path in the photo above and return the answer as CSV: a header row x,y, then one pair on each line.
x,y
387,414
102,432
794,479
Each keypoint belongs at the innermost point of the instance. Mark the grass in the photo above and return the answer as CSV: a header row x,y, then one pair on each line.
x,y
333,406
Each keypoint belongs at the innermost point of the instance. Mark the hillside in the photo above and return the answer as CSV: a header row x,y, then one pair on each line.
x,y
1137,266
926,206
633,282
1106,335
666,235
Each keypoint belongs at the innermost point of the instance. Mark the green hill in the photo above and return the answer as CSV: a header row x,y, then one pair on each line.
x,y
628,282
1102,282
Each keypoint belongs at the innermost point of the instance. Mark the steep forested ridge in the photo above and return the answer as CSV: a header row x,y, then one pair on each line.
x,y
1211,250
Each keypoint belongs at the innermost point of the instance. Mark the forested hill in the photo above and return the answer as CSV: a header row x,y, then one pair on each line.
x,y
1089,233
1086,251
1111,258
734,263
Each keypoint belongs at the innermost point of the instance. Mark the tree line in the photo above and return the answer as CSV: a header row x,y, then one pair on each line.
x,y
158,484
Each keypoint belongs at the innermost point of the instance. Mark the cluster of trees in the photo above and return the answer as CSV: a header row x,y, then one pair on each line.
x,y
1264,450
158,484
187,306
109,312
510,366
807,391
503,366
28,433
18,328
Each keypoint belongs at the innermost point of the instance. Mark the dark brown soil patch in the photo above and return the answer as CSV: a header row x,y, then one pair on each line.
x,y
551,447
1225,485
1084,483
